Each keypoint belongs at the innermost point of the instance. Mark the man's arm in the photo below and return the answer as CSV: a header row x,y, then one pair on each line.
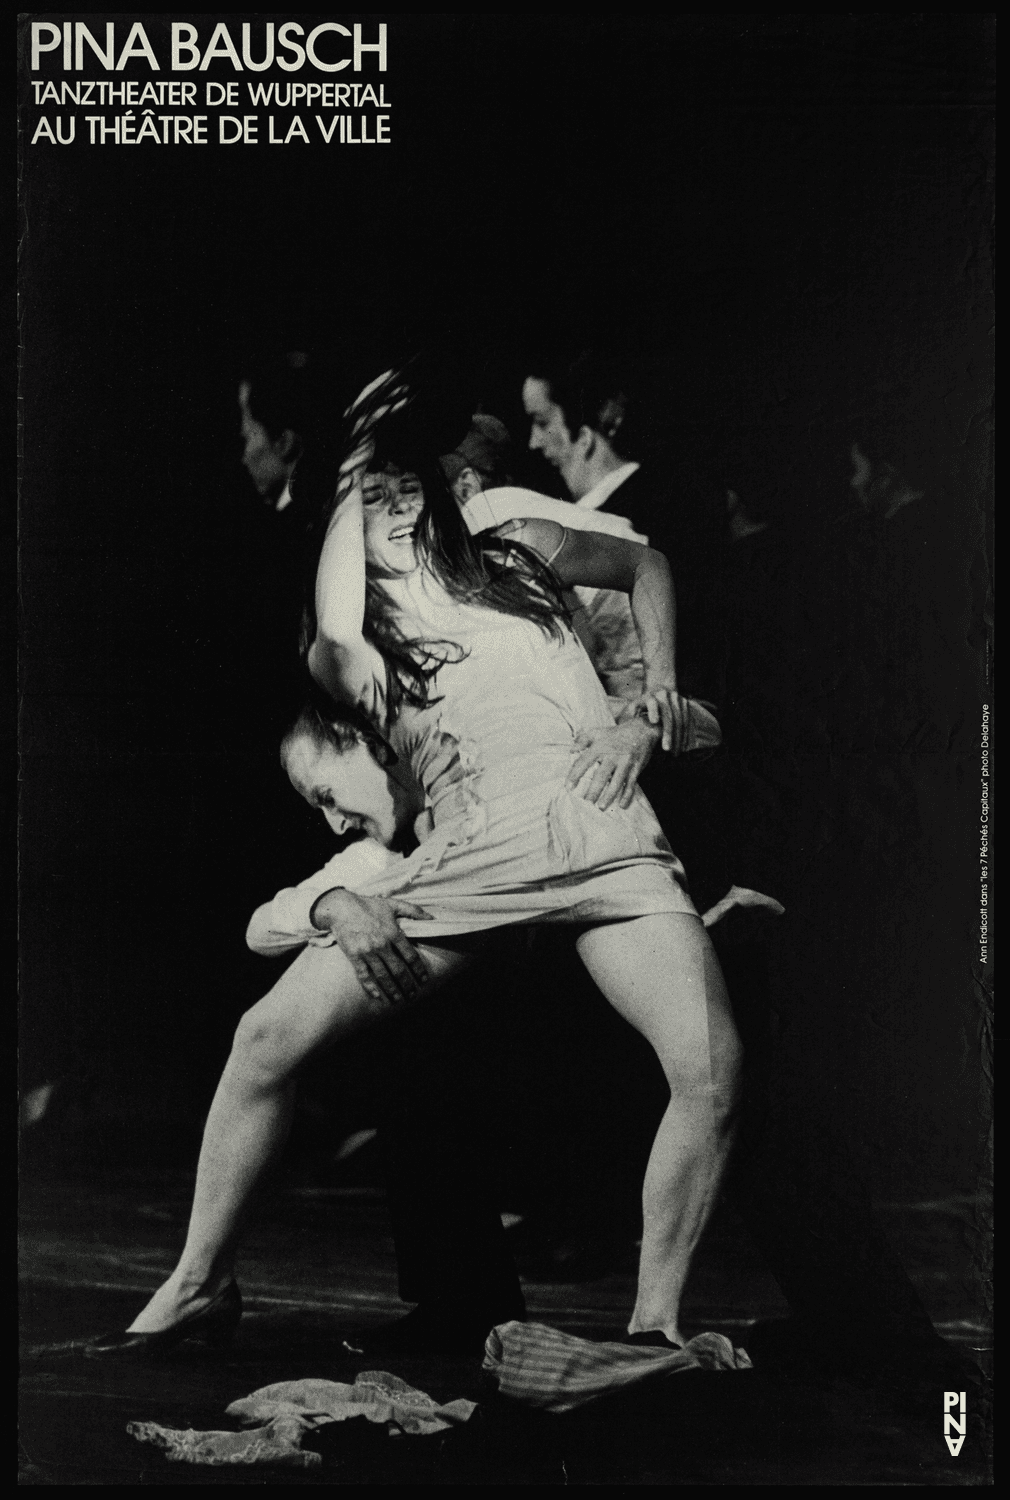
x,y
325,912
365,928
588,559
286,922
594,561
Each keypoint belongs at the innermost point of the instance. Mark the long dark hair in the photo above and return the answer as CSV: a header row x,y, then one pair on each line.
x,y
495,573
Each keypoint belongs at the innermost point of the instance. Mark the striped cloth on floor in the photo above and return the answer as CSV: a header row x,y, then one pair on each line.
x,y
538,1366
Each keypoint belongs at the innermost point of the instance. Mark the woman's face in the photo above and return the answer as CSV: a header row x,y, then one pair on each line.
x,y
393,502
350,789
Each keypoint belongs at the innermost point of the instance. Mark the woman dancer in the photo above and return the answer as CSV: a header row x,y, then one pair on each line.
x,y
461,657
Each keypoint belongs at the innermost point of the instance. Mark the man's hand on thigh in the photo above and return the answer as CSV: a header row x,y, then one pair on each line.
x,y
387,965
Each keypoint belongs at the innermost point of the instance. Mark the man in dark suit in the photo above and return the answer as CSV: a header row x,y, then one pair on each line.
x,y
583,417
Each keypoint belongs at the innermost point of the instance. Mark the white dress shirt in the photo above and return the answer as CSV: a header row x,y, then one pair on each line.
x,y
510,503
594,498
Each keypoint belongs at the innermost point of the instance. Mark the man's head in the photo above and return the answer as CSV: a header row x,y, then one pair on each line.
x,y
273,403
484,460
577,413
349,775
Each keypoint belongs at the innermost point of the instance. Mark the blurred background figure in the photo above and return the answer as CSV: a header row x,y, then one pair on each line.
x,y
823,697
484,460
270,399
881,489
743,522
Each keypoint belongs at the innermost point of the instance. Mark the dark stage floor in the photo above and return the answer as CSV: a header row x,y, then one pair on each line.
x,y
321,1262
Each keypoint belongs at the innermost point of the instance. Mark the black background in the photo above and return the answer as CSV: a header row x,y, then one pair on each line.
x,y
785,215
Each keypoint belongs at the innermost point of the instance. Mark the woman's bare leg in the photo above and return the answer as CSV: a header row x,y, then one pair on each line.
x,y
315,1002
661,974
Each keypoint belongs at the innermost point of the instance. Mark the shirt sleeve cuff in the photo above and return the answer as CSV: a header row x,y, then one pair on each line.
x,y
290,911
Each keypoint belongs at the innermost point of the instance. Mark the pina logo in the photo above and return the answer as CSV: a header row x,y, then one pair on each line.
x,y
952,1400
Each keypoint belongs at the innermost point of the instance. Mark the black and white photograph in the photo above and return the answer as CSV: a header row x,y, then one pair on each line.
x,y
504,542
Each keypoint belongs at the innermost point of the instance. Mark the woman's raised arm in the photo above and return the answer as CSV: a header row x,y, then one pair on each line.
x,y
340,659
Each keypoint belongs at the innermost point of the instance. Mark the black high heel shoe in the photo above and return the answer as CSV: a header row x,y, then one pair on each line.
x,y
215,1325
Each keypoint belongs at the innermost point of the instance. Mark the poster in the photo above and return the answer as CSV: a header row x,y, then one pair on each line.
x,y
786,221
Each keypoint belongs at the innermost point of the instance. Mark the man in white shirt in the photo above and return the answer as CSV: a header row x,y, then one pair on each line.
x,y
581,416
577,415
479,474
